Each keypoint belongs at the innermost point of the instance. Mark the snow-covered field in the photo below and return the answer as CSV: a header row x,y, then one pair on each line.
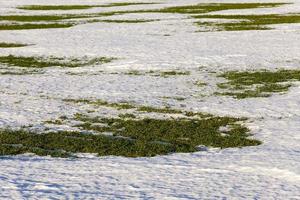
x,y
268,171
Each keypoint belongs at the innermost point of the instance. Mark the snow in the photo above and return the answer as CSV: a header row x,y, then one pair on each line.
x,y
268,171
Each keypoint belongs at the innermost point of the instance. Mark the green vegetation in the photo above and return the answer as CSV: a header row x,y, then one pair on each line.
x,y
126,105
180,135
122,21
212,7
20,72
131,137
98,102
139,109
126,115
39,18
159,110
66,144
56,7
179,98
157,73
60,20
247,22
40,62
200,84
134,73
56,122
257,83
11,45
33,26
174,73
128,4
175,97
129,134
191,9
77,7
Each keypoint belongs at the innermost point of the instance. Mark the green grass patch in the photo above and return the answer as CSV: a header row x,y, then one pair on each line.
x,y
212,7
78,7
56,7
247,22
55,122
38,18
177,98
183,135
257,83
127,115
134,73
20,72
124,106
127,135
59,21
66,144
159,110
128,4
122,21
158,73
98,102
11,45
131,137
174,73
200,84
191,9
34,26
41,62
168,110
137,108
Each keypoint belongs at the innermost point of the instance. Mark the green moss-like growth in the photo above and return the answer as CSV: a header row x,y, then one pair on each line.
x,y
159,110
212,7
66,144
128,4
131,137
34,26
20,72
56,7
247,22
129,134
191,9
127,116
38,18
98,102
183,134
140,109
40,62
77,7
11,45
63,20
134,73
174,73
200,84
122,21
258,83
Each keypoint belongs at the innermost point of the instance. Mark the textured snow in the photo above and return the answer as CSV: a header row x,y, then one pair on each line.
x,y
268,171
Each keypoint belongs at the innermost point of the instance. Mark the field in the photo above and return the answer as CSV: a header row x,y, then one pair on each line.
x,y
163,99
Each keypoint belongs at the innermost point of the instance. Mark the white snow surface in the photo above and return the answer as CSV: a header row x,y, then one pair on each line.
x,y
268,171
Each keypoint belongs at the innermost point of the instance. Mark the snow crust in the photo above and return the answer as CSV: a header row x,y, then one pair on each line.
x,y
268,171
